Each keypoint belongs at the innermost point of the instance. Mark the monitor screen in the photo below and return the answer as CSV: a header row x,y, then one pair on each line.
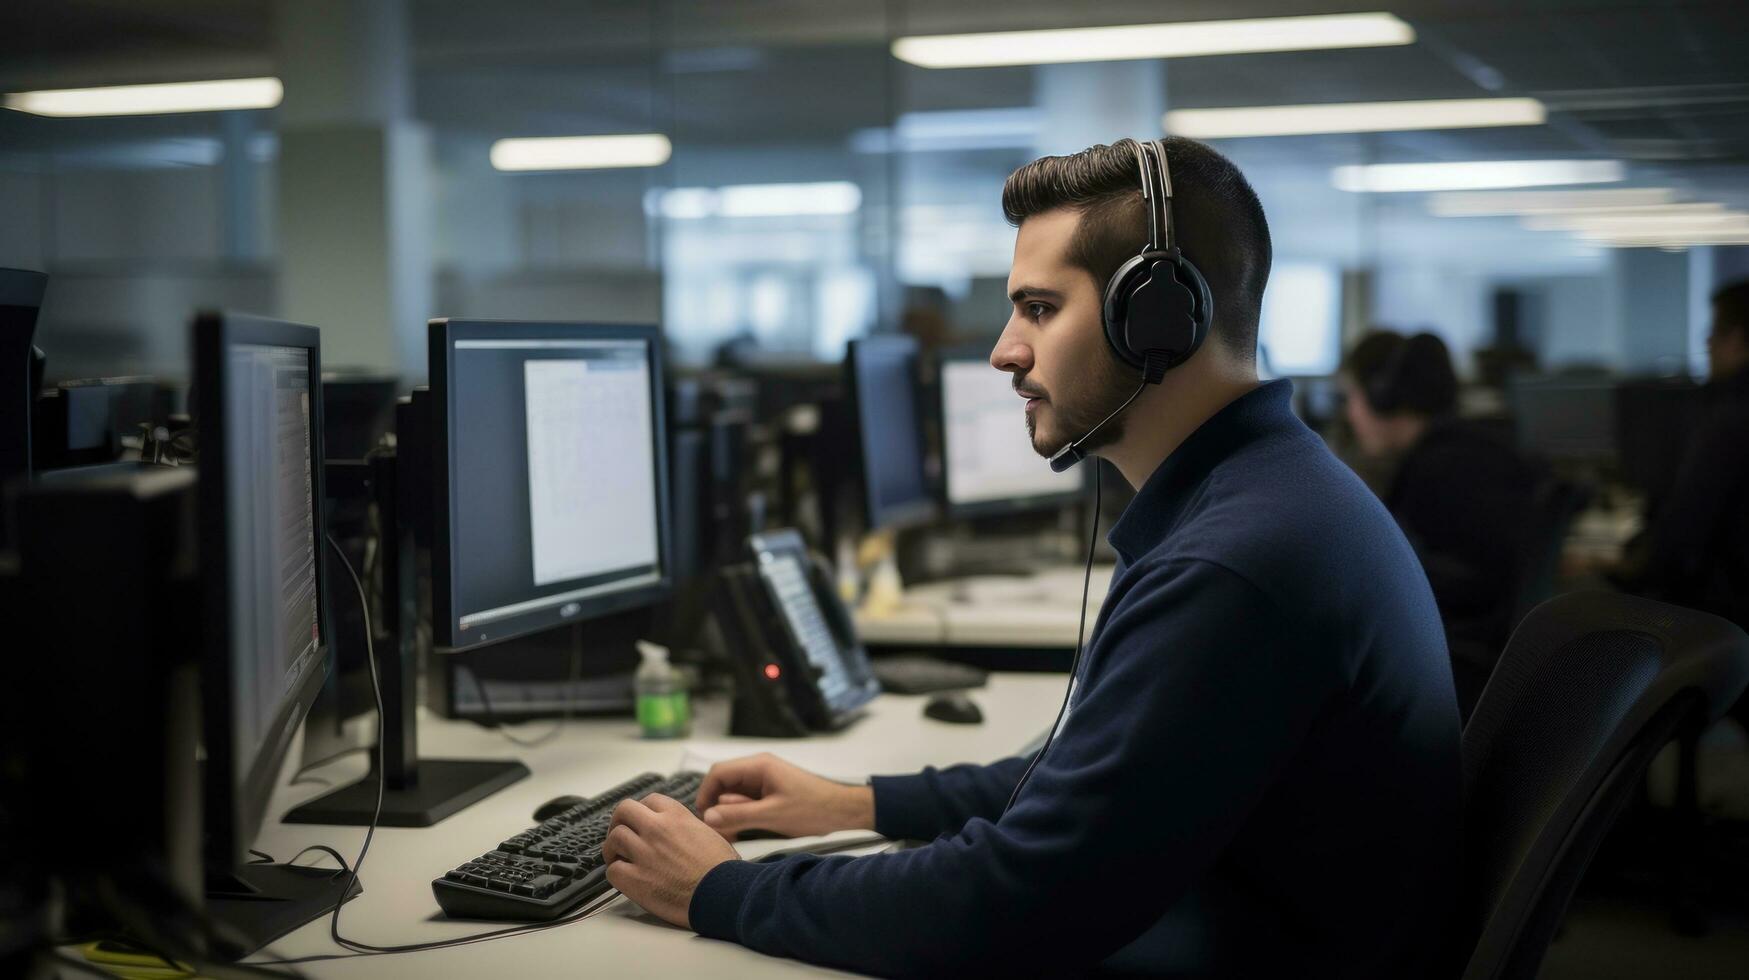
x,y
987,456
258,414
883,385
551,446
268,479
1565,418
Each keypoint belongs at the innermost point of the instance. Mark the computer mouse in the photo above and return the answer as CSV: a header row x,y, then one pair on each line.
x,y
955,709
556,806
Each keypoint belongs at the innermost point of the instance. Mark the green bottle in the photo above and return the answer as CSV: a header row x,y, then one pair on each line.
x,y
663,709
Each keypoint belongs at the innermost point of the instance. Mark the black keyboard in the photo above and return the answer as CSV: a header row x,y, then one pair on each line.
x,y
555,866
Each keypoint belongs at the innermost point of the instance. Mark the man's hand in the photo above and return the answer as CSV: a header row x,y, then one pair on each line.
x,y
763,792
657,852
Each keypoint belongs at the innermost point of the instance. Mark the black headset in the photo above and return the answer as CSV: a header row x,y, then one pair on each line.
x,y
1157,305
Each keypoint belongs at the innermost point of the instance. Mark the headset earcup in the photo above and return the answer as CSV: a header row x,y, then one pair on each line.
x,y
1164,310
1117,306
1202,314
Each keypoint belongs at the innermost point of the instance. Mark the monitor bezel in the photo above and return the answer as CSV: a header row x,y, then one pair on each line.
x,y
444,332
234,809
1000,506
911,513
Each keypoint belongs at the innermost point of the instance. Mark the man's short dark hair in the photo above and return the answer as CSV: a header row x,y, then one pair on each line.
x,y
1731,307
1216,218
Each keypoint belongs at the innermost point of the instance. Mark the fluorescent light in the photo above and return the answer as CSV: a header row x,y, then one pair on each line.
x,y
1468,204
1352,117
1635,225
140,100
581,152
1679,239
1473,175
836,197
787,200
1182,40
1667,226
1700,214
1673,236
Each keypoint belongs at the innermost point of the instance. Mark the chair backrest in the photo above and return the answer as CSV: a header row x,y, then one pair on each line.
x,y
1591,686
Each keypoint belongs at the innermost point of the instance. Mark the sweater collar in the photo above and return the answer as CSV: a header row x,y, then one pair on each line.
x,y
1156,507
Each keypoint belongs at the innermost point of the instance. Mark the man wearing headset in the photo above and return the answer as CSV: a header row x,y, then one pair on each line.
x,y
1256,769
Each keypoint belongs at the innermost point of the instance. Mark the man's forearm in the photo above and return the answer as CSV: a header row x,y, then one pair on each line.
x,y
854,809
940,801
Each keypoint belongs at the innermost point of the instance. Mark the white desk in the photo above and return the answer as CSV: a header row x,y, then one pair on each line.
x,y
1599,535
1039,611
592,755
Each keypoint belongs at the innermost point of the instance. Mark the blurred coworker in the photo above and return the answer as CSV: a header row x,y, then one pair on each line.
x,y
1256,770
1695,551
1463,495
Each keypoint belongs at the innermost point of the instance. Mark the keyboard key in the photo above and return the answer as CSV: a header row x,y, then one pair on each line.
x,y
546,884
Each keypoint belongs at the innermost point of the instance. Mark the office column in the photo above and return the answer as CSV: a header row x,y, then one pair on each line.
x,y
1652,309
1098,102
353,213
241,212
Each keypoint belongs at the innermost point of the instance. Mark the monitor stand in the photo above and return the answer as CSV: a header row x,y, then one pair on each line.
x,y
416,792
432,790
258,903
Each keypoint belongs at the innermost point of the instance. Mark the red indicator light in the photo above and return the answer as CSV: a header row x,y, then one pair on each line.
x,y
772,672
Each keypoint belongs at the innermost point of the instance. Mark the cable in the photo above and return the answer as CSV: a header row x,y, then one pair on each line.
x,y
575,675
320,847
303,777
494,722
376,688
1080,635
581,913
366,949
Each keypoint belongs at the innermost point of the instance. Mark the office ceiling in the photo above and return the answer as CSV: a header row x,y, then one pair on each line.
x,y
1656,83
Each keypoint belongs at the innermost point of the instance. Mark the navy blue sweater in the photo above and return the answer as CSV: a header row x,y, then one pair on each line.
x,y
1258,774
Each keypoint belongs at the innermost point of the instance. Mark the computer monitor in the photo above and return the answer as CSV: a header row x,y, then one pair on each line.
x,y
258,418
988,465
358,410
549,457
263,607
881,376
87,421
1565,418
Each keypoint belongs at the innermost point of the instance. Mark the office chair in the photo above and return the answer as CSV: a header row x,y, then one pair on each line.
x,y
1591,686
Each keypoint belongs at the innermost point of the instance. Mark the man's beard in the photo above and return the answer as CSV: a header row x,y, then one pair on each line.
x,y
1079,407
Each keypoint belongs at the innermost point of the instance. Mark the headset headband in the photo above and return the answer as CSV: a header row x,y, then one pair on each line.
x,y
1156,192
